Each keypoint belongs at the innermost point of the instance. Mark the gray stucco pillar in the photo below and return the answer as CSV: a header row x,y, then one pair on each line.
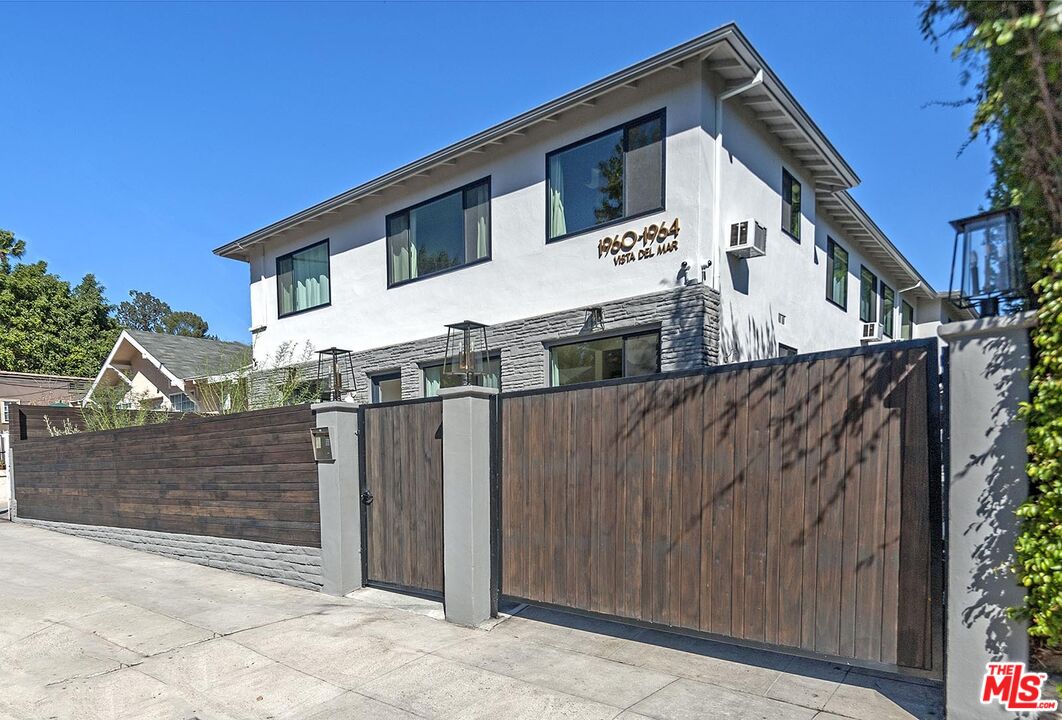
x,y
339,485
466,503
989,360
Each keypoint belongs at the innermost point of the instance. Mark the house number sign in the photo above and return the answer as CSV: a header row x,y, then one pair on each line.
x,y
632,246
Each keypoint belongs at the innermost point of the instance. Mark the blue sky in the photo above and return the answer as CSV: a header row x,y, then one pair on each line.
x,y
135,138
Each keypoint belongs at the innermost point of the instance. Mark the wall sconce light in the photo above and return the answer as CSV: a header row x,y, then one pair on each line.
x,y
322,444
990,267
595,318
466,350
330,373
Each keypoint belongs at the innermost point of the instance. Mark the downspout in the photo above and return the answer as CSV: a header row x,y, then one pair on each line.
x,y
717,231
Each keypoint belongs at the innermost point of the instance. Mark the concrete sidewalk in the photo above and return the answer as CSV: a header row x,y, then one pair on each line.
x,y
89,630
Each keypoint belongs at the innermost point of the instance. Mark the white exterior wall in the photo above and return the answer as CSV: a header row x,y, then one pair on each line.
x,y
790,279
527,277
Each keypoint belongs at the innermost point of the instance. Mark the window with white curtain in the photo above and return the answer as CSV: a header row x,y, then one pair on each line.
x,y
445,232
611,176
303,280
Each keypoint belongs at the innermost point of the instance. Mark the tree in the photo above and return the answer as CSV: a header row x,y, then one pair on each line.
x,y
149,313
50,327
185,323
145,312
1013,52
9,248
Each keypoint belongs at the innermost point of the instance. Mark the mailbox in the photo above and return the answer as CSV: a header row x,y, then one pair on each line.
x,y
322,445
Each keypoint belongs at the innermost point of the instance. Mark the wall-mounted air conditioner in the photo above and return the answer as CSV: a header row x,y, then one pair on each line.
x,y
747,239
872,332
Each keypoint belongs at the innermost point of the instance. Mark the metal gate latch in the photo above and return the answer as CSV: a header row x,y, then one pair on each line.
x,y
366,498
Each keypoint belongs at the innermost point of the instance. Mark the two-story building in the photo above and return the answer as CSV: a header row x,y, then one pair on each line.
x,y
680,212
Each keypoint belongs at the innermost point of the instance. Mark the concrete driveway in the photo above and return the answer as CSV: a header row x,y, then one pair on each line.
x,y
89,630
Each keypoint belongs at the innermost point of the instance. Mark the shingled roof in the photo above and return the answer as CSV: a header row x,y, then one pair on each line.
x,y
191,357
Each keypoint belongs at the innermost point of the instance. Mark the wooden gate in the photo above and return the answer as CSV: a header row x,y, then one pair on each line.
x,y
401,471
792,503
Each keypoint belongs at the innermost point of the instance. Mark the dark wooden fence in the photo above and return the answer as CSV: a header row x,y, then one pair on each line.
x,y
249,476
793,503
402,455
30,422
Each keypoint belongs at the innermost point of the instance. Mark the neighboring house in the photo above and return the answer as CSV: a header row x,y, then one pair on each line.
x,y
681,212
31,389
167,372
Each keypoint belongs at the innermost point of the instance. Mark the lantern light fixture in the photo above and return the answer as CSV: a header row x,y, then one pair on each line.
x,y
989,263
331,363
595,318
466,351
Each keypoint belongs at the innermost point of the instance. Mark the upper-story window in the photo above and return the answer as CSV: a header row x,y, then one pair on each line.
x,y
836,274
888,309
303,279
790,204
445,232
906,321
868,295
612,176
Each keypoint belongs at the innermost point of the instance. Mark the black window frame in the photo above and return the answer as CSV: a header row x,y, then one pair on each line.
x,y
832,246
328,246
873,304
787,229
625,126
374,389
786,350
887,328
905,304
406,210
621,333
491,357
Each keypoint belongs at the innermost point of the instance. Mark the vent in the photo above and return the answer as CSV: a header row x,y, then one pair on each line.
x,y
748,239
872,332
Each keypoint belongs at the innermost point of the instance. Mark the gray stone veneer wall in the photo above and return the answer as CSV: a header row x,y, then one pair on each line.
x,y
688,319
288,564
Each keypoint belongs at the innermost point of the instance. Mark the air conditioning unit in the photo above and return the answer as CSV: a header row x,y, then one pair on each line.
x,y
872,332
747,239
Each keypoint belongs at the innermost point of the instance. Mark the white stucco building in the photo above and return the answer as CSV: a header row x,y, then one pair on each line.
x,y
622,195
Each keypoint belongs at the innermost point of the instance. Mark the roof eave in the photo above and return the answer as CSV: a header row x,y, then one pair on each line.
x,y
699,47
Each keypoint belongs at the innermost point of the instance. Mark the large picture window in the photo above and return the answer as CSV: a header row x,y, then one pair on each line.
x,y
836,274
435,379
616,175
443,233
868,295
790,204
303,280
605,358
888,309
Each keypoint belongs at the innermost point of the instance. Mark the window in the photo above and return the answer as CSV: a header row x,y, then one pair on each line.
x,y
836,274
888,307
303,280
605,358
179,402
790,204
6,409
868,293
440,234
387,387
786,351
435,379
612,176
906,321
